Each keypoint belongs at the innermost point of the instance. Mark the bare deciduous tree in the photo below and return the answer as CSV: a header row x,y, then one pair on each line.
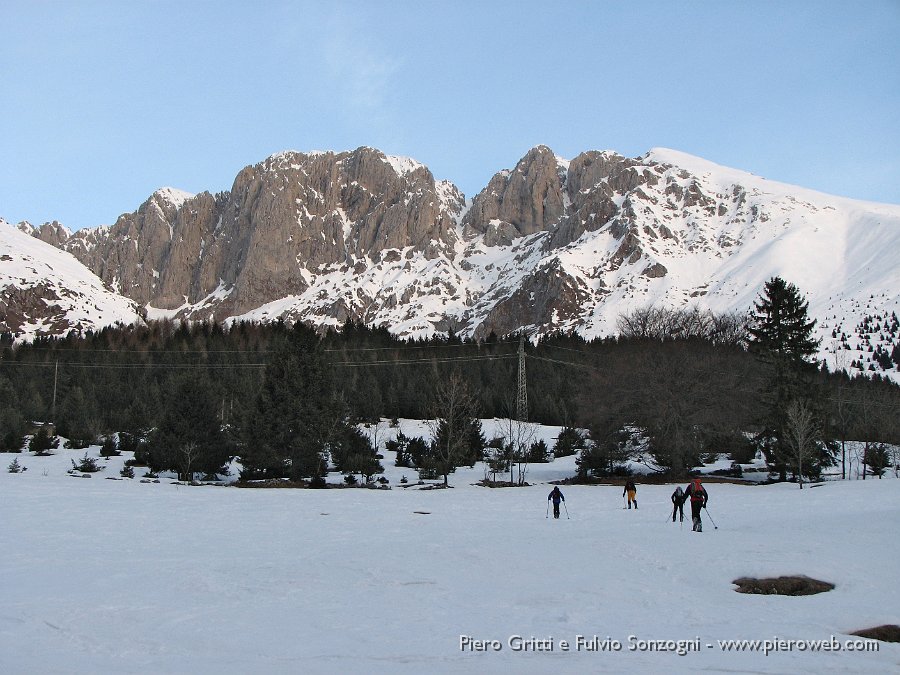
x,y
454,408
841,405
802,433
187,456
518,436
663,323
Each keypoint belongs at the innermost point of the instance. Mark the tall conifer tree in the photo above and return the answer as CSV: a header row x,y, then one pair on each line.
x,y
296,413
189,438
781,335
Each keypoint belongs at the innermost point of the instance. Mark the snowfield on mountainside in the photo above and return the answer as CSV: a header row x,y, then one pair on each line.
x,y
121,576
34,274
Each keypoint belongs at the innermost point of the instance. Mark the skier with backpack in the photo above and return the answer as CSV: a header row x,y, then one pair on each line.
x,y
632,493
698,496
557,496
678,498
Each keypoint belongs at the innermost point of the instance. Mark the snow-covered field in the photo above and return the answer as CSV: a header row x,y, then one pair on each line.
x,y
103,576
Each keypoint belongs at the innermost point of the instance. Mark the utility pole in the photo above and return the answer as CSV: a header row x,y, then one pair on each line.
x,y
522,397
55,378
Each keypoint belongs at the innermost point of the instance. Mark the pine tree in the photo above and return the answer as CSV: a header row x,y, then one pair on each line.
x,y
43,442
781,337
75,420
12,424
780,328
539,452
296,414
604,455
110,447
399,446
352,452
189,438
12,430
570,440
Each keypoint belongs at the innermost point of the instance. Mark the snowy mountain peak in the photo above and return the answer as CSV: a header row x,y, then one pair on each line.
x,y
696,165
403,165
173,196
552,244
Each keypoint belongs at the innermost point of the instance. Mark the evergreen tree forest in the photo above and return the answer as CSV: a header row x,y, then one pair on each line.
x,y
277,394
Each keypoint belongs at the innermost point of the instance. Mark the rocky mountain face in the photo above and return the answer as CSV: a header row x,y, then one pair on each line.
x,y
551,244
283,221
46,291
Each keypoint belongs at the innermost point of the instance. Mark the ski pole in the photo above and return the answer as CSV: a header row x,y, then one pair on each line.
x,y
715,527
547,515
566,508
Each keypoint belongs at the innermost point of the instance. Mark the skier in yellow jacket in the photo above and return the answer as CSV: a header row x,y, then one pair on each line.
x,y
631,491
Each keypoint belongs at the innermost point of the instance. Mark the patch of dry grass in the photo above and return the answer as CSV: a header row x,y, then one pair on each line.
x,y
789,585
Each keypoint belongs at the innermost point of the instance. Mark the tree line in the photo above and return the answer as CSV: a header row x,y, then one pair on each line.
x,y
687,383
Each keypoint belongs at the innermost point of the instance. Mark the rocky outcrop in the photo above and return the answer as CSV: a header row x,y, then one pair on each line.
x,y
37,304
547,194
597,182
285,219
530,198
53,233
546,298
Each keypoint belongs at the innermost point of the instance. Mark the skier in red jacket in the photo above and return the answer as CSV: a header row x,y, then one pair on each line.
x,y
698,496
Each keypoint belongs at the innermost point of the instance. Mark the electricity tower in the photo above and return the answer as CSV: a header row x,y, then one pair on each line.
x,y
522,397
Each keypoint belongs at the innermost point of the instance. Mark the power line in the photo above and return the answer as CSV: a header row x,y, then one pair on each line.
x,y
137,366
401,348
564,363
457,359
741,389
148,365
362,364
151,352
477,345
228,366
566,349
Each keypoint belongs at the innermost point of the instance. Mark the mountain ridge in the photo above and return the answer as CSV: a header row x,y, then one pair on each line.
x,y
551,244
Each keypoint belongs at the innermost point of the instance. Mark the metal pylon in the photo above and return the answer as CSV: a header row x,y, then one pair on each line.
x,y
522,394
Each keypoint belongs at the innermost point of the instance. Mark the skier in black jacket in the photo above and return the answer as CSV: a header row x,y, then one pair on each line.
x,y
556,495
678,498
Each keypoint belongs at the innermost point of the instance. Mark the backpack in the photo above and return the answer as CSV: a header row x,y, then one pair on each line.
x,y
697,492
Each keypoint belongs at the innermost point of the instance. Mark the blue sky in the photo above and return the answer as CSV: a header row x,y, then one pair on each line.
x,y
104,102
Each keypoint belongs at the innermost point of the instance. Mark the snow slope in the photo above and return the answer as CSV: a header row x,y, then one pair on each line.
x,y
740,231
62,293
103,576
